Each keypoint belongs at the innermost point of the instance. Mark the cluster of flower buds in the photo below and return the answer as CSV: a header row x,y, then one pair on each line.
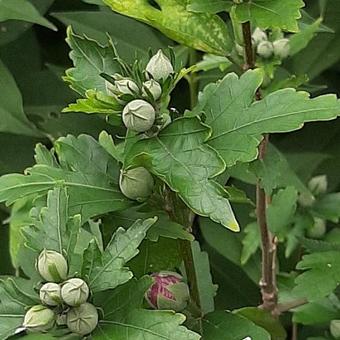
x,y
168,292
139,113
265,48
62,301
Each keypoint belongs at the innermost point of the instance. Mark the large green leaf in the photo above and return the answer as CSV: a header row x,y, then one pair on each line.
x,y
105,270
22,10
146,325
202,31
132,37
12,115
229,326
238,123
271,13
322,269
180,157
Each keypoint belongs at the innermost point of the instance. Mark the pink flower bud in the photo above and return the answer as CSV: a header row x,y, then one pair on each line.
x,y
168,292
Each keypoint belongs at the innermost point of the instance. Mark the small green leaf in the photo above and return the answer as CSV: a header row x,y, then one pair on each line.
x,y
271,13
189,170
229,326
328,207
251,242
146,325
106,270
202,31
22,10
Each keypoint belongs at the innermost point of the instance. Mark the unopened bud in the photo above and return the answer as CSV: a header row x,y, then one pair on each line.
x,y
265,49
139,115
125,86
75,292
52,266
258,36
318,185
159,66
168,292
281,48
335,329
39,319
82,320
136,184
50,294
318,229
151,86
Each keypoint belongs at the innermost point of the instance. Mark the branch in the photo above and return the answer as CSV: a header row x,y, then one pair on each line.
x,y
268,241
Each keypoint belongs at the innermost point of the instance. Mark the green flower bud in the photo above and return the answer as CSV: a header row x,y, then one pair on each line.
x,y
139,115
318,229
39,319
83,319
258,36
239,49
159,66
125,86
318,185
50,294
281,48
265,49
52,266
153,87
75,292
136,184
335,329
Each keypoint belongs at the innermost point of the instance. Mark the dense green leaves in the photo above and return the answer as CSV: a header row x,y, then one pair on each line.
x,y
202,31
271,13
105,270
238,124
189,170
229,326
22,10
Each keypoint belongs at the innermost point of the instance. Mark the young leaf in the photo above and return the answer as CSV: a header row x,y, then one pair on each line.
x,y
22,10
146,325
321,276
90,60
202,31
251,242
238,124
189,170
229,326
271,13
105,270
205,286
281,210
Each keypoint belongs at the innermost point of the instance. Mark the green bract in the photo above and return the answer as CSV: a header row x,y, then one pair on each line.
x,y
136,184
83,319
281,48
265,49
75,292
159,66
52,266
50,294
39,319
139,115
153,87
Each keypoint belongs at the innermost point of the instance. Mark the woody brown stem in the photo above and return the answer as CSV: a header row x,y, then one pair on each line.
x,y
268,241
